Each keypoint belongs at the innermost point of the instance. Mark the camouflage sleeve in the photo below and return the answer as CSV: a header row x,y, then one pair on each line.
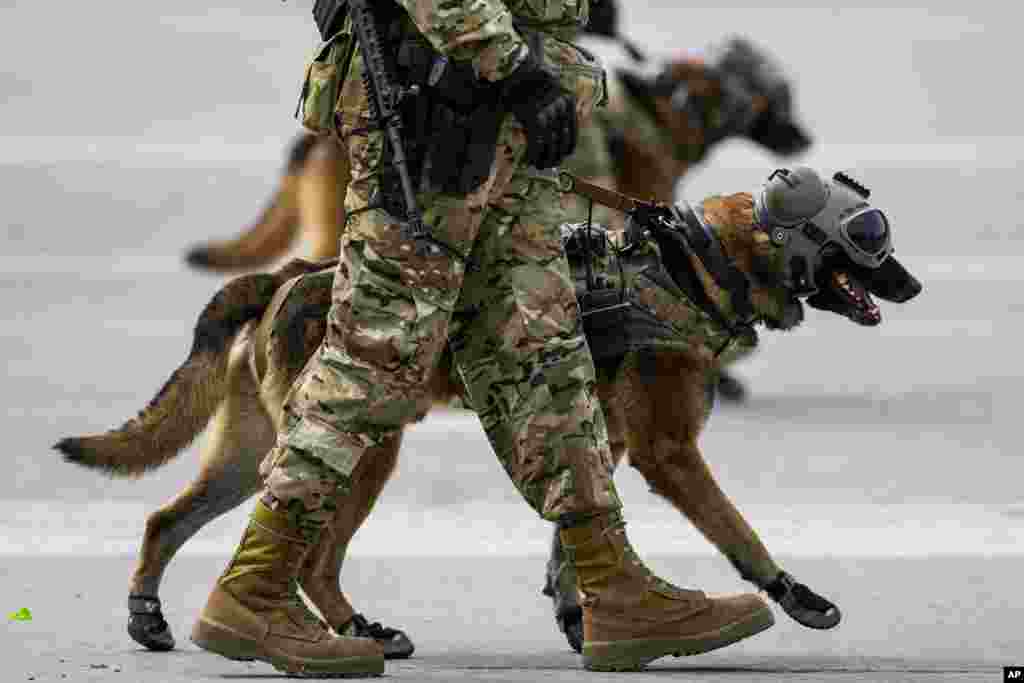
x,y
477,30
591,158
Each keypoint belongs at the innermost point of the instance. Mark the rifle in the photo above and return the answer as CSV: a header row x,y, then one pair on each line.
x,y
328,15
385,97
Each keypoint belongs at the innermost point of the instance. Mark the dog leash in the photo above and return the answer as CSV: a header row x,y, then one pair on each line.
x,y
568,182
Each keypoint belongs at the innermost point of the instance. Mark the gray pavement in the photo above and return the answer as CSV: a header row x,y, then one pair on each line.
x,y
882,466
483,618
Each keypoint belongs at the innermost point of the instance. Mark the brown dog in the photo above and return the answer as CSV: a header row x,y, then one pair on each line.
x,y
254,337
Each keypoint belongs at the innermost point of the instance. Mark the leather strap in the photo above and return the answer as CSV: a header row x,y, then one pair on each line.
x,y
568,182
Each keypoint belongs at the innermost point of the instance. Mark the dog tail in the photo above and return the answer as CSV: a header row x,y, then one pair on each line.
x,y
185,403
271,235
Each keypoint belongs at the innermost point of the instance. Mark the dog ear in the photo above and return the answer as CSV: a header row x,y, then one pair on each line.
x,y
892,282
781,136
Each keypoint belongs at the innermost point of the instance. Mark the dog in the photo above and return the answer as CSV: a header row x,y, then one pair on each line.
x,y
654,382
655,129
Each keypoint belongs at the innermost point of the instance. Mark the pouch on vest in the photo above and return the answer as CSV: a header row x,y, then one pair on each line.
x,y
321,86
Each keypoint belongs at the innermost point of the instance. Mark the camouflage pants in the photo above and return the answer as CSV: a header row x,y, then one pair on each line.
x,y
508,313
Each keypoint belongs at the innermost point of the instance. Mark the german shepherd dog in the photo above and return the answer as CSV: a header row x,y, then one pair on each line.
x,y
692,104
254,337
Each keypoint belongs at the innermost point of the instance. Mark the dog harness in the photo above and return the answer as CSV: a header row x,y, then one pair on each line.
x,y
649,291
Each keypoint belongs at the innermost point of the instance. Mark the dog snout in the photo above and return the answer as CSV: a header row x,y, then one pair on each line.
x,y
780,136
891,281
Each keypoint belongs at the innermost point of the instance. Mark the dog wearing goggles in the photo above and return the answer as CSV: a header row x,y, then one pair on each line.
x,y
835,246
697,283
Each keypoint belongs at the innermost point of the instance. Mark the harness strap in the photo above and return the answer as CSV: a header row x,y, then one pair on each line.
x,y
705,244
703,301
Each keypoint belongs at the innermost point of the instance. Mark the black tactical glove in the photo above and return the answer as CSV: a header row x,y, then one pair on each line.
x,y
548,113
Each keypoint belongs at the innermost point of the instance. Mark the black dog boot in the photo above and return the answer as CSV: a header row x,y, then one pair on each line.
x,y
146,624
395,642
803,604
560,586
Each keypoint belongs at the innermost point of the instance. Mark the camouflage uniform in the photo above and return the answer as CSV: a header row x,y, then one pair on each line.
x,y
508,312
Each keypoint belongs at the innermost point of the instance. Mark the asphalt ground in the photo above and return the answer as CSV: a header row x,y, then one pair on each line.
x,y
880,465
483,619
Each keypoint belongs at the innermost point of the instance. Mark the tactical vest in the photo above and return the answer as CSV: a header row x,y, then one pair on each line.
x,y
630,300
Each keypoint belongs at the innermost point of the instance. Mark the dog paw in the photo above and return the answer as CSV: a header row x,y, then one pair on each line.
x,y
802,604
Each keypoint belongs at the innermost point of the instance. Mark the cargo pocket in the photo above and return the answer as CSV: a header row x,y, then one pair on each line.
x,y
321,86
579,72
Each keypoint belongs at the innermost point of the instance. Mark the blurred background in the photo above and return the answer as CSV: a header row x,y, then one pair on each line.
x,y
131,130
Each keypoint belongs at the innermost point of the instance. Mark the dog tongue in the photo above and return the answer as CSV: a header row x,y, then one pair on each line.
x,y
862,307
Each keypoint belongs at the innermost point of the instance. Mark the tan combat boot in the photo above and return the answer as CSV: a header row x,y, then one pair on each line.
x,y
251,613
631,617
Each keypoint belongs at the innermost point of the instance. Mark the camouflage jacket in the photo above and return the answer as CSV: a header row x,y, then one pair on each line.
x,y
634,303
485,31
488,34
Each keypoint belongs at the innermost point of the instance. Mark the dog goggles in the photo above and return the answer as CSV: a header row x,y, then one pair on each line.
x,y
867,231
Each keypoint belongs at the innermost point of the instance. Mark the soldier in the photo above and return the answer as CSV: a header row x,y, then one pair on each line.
x,y
500,93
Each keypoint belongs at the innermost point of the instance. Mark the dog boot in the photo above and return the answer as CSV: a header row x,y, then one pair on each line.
x,y
146,623
395,643
803,604
251,613
560,586
631,617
